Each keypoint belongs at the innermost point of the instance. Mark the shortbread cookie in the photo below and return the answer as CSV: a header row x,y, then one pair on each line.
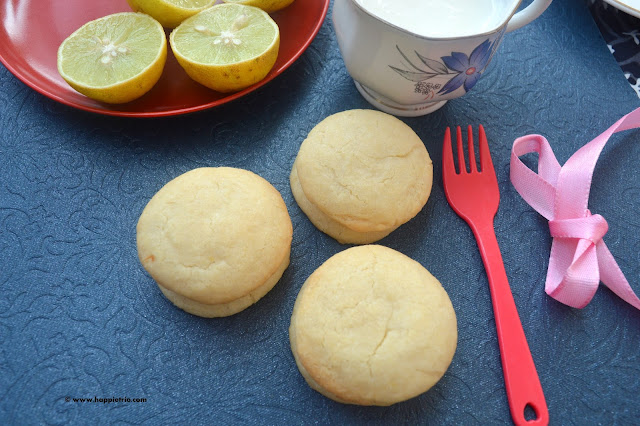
x,y
360,174
372,327
215,240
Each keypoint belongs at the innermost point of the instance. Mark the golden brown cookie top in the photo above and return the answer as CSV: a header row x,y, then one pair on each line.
x,y
365,169
214,234
372,326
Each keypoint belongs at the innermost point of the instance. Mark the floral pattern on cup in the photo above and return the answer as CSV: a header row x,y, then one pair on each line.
x,y
464,70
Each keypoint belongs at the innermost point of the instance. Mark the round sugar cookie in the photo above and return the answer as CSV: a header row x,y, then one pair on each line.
x,y
360,174
215,240
372,327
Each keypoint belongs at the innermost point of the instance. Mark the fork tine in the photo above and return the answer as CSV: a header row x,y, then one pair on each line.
x,y
462,167
472,154
448,166
485,155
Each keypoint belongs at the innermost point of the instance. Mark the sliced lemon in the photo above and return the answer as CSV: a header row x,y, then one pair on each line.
x,y
227,47
114,59
266,5
170,13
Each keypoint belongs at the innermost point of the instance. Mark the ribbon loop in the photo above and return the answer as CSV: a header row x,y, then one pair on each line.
x,y
579,257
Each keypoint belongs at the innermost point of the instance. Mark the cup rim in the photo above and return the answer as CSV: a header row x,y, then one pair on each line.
x,y
405,31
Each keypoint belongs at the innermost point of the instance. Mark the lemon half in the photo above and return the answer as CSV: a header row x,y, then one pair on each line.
x,y
227,47
266,5
114,59
170,13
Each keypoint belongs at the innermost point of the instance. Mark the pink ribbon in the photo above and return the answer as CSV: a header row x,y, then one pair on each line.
x,y
579,257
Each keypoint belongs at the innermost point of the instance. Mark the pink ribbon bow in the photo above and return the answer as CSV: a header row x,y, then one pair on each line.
x,y
579,257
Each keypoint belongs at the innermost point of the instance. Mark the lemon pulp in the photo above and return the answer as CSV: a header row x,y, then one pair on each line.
x,y
227,47
114,59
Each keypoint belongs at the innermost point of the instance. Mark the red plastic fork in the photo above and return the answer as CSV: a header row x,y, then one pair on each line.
x,y
474,196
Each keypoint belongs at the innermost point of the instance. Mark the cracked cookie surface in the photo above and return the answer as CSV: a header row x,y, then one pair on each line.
x,y
372,327
361,171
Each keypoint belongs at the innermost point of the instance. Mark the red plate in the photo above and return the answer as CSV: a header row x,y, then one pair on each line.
x,y
32,30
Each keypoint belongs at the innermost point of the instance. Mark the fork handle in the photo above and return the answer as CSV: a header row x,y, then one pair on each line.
x,y
520,375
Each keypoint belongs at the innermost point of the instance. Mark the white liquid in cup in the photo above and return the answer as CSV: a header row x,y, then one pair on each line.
x,y
441,18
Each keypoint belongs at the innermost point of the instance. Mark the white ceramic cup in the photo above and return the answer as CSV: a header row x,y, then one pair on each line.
x,y
404,73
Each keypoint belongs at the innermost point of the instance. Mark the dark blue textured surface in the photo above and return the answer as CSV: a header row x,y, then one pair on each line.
x,y
80,318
